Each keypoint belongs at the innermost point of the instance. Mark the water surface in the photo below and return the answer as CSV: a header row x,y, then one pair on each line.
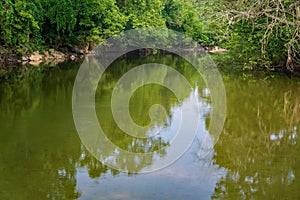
x,y
257,155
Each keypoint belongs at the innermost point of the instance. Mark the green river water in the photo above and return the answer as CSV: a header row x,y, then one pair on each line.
x,y
257,155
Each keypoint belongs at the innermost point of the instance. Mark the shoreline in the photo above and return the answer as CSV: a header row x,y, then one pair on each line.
x,y
55,56
50,57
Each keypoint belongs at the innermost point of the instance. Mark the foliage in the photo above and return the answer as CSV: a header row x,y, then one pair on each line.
x,y
142,13
62,24
190,18
20,25
266,33
81,22
27,25
259,34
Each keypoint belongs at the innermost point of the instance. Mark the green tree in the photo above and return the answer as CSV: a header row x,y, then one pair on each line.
x,y
188,17
20,25
79,22
266,33
143,13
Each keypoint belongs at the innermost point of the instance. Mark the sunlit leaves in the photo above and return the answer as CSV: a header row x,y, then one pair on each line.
x,y
19,25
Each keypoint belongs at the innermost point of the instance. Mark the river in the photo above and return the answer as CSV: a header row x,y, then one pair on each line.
x,y
257,155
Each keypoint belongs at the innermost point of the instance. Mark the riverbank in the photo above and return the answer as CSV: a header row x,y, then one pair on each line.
x,y
49,57
52,56
18,67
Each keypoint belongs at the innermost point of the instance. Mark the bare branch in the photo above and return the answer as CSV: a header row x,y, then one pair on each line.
x,y
283,21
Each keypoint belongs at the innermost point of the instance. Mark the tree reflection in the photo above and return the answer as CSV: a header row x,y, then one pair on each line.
x,y
260,143
95,168
41,151
140,103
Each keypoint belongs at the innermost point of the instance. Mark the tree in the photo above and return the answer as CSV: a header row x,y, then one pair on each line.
x,y
142,13
267,32
20,28
185,17
81,22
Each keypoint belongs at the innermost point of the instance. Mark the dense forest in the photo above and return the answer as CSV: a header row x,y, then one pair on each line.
x,y
259,34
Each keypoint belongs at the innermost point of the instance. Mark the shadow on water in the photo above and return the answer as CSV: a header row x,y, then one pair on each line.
x,y
257,155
